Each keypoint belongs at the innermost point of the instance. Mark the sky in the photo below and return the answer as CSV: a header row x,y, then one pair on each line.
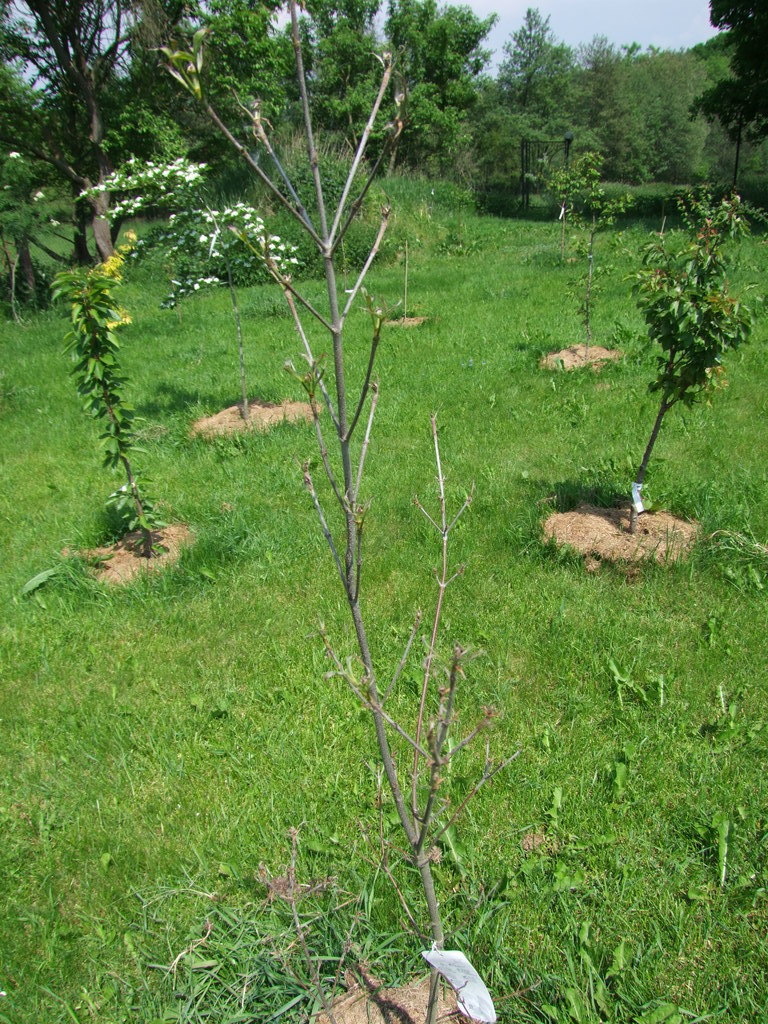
x,y
669,24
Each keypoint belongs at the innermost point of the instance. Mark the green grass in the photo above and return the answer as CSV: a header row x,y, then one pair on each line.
x,y
159,740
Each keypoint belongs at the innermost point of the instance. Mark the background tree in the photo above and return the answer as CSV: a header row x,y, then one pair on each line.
x,y
536,73
70,50
740,101
440,57
340,41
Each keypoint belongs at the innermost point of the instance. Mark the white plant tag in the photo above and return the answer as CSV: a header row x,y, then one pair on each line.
x,y
637,500
473,997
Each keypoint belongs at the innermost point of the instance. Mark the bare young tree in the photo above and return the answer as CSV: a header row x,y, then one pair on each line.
x,y
414,781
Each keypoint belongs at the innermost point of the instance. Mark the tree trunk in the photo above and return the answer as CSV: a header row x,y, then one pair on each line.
x,y
26,267
663,409
102,234
82,253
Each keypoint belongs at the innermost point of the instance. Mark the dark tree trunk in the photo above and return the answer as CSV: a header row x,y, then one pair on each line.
x,y
82,253
26,267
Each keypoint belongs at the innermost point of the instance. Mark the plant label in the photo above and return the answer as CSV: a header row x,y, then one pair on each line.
x,y
473,997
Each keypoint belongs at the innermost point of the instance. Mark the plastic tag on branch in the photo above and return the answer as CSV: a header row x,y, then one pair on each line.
x,y
473,997
637,500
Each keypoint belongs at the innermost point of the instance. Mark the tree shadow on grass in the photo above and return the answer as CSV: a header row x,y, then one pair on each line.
x,y
170,398
565,495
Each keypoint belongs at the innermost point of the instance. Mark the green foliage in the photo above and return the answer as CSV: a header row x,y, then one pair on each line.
x,y
586,204
686,302
440,59
95,348
535,74
739,100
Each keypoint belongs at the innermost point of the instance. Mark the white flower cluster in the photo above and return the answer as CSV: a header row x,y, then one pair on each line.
x,y
151,184
218,242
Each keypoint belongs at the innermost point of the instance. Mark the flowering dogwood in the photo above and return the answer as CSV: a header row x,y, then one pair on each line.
x,y
206,247
144,183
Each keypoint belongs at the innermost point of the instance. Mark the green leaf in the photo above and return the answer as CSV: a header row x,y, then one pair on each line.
x,y
38,581
666,1012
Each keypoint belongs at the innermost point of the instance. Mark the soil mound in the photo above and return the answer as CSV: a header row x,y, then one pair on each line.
x,y
368,1004
263,415
122,562
576,356
603,533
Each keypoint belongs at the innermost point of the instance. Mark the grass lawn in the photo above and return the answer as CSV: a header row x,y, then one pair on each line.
x,y
160,739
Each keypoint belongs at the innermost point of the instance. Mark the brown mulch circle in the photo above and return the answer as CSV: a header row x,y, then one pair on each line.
x,y
369,1004
263,415
122,562
603,533
407,321
576,356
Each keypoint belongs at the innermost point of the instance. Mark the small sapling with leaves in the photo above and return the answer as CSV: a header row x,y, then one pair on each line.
x,y
685,299
93,341
585,204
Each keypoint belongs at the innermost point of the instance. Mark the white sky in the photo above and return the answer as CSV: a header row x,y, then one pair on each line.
x,y
669,24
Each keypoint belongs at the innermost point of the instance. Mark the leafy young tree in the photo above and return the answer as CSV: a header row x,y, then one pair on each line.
x,y
584,204
95,319
690,312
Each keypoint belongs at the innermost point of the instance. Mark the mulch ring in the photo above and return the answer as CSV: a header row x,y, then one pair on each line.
x,y
262,416
366,1003
576,356
407,321
602,534
122,561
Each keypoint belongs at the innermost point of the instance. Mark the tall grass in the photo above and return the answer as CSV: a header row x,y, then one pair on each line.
x,y
160,739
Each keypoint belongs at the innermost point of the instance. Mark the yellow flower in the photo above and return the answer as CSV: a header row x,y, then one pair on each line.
x,y
125,318
112,267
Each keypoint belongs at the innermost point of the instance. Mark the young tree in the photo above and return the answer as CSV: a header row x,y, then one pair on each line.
x,y
690,312
414,758
584,203
95,319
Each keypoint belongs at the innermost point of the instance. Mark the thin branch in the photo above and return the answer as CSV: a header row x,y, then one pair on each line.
x,y
385,212
254,113
308,130
366,383
355,207
323,523
442,529
347,676
463,509
324,453
259,172
421,508
404,659
386,60
308,351
486,777
366,439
